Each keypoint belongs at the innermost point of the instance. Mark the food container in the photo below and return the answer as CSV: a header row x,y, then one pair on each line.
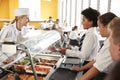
x,y
43,70
44,65
70,62
21,76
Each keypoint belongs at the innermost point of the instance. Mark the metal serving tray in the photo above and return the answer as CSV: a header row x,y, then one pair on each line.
x,y
63,74
69,62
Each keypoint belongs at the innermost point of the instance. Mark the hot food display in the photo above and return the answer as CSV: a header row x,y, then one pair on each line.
x,y
32,60
43,65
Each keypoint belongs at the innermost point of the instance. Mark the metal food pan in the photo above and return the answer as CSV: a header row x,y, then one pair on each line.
x,y
47,57
39,69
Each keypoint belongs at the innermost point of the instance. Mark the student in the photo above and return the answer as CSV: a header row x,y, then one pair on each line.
x,y
50,19
114,39
74,36
90,44
57,26
14,30
103,61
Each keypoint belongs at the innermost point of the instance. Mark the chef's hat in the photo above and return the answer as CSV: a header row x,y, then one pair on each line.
x,y
21,11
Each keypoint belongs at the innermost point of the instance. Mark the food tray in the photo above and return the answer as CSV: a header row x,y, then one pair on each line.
x,y
47,60
39,69
63,74
72,60
22,77
48,57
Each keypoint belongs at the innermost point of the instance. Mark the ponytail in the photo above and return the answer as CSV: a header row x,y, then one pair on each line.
x,y
14,20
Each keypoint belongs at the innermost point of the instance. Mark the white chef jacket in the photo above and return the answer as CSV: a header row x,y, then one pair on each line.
x,y
103,61
89,48
73,35
11,33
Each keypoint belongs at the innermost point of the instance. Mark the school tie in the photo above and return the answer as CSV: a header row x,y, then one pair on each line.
x,y
81,42
100,47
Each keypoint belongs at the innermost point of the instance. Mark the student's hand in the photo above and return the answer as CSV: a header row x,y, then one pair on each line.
x,y
75,68
62,50
53,49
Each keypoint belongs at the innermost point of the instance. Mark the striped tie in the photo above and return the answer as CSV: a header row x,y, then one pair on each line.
x,y
81,41
100,47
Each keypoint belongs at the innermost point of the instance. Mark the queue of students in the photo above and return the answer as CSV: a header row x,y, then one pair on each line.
x,y
114,48
98,66
102,63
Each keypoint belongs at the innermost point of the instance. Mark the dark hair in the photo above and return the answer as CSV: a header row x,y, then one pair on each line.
x,y
50,16
91,15
57,20
75,27
115,73
106,18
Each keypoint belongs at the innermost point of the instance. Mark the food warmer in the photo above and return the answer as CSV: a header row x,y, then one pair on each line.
x,y
45,65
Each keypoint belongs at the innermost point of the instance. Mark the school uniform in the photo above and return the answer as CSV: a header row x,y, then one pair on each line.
x,y
73,38
89,47
103,61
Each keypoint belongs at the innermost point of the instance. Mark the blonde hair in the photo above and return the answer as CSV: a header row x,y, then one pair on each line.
x,y
114,27
16,19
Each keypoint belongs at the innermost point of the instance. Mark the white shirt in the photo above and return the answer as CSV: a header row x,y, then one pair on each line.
x,y
73,35
103,61
10,33
89,48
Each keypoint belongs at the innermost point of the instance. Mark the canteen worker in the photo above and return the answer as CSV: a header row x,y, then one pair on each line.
x,y
13,31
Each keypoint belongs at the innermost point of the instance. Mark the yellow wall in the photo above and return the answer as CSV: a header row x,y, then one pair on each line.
x,y
4,11
13,4
35,23
47,9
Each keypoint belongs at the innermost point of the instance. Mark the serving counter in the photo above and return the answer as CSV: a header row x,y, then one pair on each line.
x,y
47,65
